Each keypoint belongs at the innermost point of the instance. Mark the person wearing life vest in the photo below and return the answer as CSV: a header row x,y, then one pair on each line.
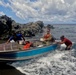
x,y
47,36
66,41
27,45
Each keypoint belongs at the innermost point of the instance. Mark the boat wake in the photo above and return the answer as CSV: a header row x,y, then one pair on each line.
x,y
55,63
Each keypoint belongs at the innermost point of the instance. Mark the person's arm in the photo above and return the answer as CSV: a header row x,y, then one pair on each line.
x,y
62,41
23,37
9,39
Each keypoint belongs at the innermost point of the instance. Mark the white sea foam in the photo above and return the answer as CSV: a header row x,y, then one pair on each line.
x,y
54,63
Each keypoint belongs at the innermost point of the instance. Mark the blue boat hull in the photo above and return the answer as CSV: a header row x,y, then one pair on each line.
x,y
25,54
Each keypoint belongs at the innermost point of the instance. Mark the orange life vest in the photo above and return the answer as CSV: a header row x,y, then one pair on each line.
x,y
27,46
47,36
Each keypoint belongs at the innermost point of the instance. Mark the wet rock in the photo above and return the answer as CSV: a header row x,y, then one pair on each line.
x,y
7,25
50,26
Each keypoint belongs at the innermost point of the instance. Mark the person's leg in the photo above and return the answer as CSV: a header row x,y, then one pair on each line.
x,y
68,47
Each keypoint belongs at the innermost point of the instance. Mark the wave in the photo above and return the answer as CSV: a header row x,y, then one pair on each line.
x,y
55,63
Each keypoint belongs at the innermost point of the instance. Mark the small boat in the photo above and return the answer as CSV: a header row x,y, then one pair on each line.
x,y
13,54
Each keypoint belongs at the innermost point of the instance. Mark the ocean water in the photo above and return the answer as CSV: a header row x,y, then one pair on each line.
x,y
56,62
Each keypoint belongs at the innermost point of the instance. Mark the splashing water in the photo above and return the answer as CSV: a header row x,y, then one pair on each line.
x,y
53,63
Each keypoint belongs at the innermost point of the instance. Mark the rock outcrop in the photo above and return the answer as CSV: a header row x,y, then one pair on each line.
x,y
7,25
50,26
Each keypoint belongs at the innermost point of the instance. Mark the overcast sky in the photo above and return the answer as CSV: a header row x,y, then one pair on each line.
x,y
48,11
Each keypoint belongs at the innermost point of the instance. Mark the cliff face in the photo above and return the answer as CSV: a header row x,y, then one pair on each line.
x,y
7,25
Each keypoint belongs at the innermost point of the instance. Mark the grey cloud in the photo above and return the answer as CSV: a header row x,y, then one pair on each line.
x,y
1,13
46,10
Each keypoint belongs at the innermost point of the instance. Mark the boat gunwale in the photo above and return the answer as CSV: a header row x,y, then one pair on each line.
x,y
21,58
35,48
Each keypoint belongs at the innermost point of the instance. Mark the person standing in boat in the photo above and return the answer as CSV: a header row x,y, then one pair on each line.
x,y
65,41
17,37
47,38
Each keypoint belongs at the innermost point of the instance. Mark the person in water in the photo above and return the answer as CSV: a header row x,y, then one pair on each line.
x,y
17,37
65,41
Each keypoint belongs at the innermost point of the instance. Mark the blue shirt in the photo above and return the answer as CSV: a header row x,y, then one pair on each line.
x,y
18,37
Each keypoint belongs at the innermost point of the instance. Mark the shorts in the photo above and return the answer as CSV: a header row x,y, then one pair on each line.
x,y
67,48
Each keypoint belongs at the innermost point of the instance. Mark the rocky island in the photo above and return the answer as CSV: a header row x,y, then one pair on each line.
x,y
7,25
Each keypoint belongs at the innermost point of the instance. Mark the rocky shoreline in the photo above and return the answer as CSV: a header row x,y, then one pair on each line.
x,y
7,25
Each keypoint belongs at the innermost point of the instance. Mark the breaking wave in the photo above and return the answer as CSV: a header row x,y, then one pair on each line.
x,y
53,63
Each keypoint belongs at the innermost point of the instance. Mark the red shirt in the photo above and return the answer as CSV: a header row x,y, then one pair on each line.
x,y
67,41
